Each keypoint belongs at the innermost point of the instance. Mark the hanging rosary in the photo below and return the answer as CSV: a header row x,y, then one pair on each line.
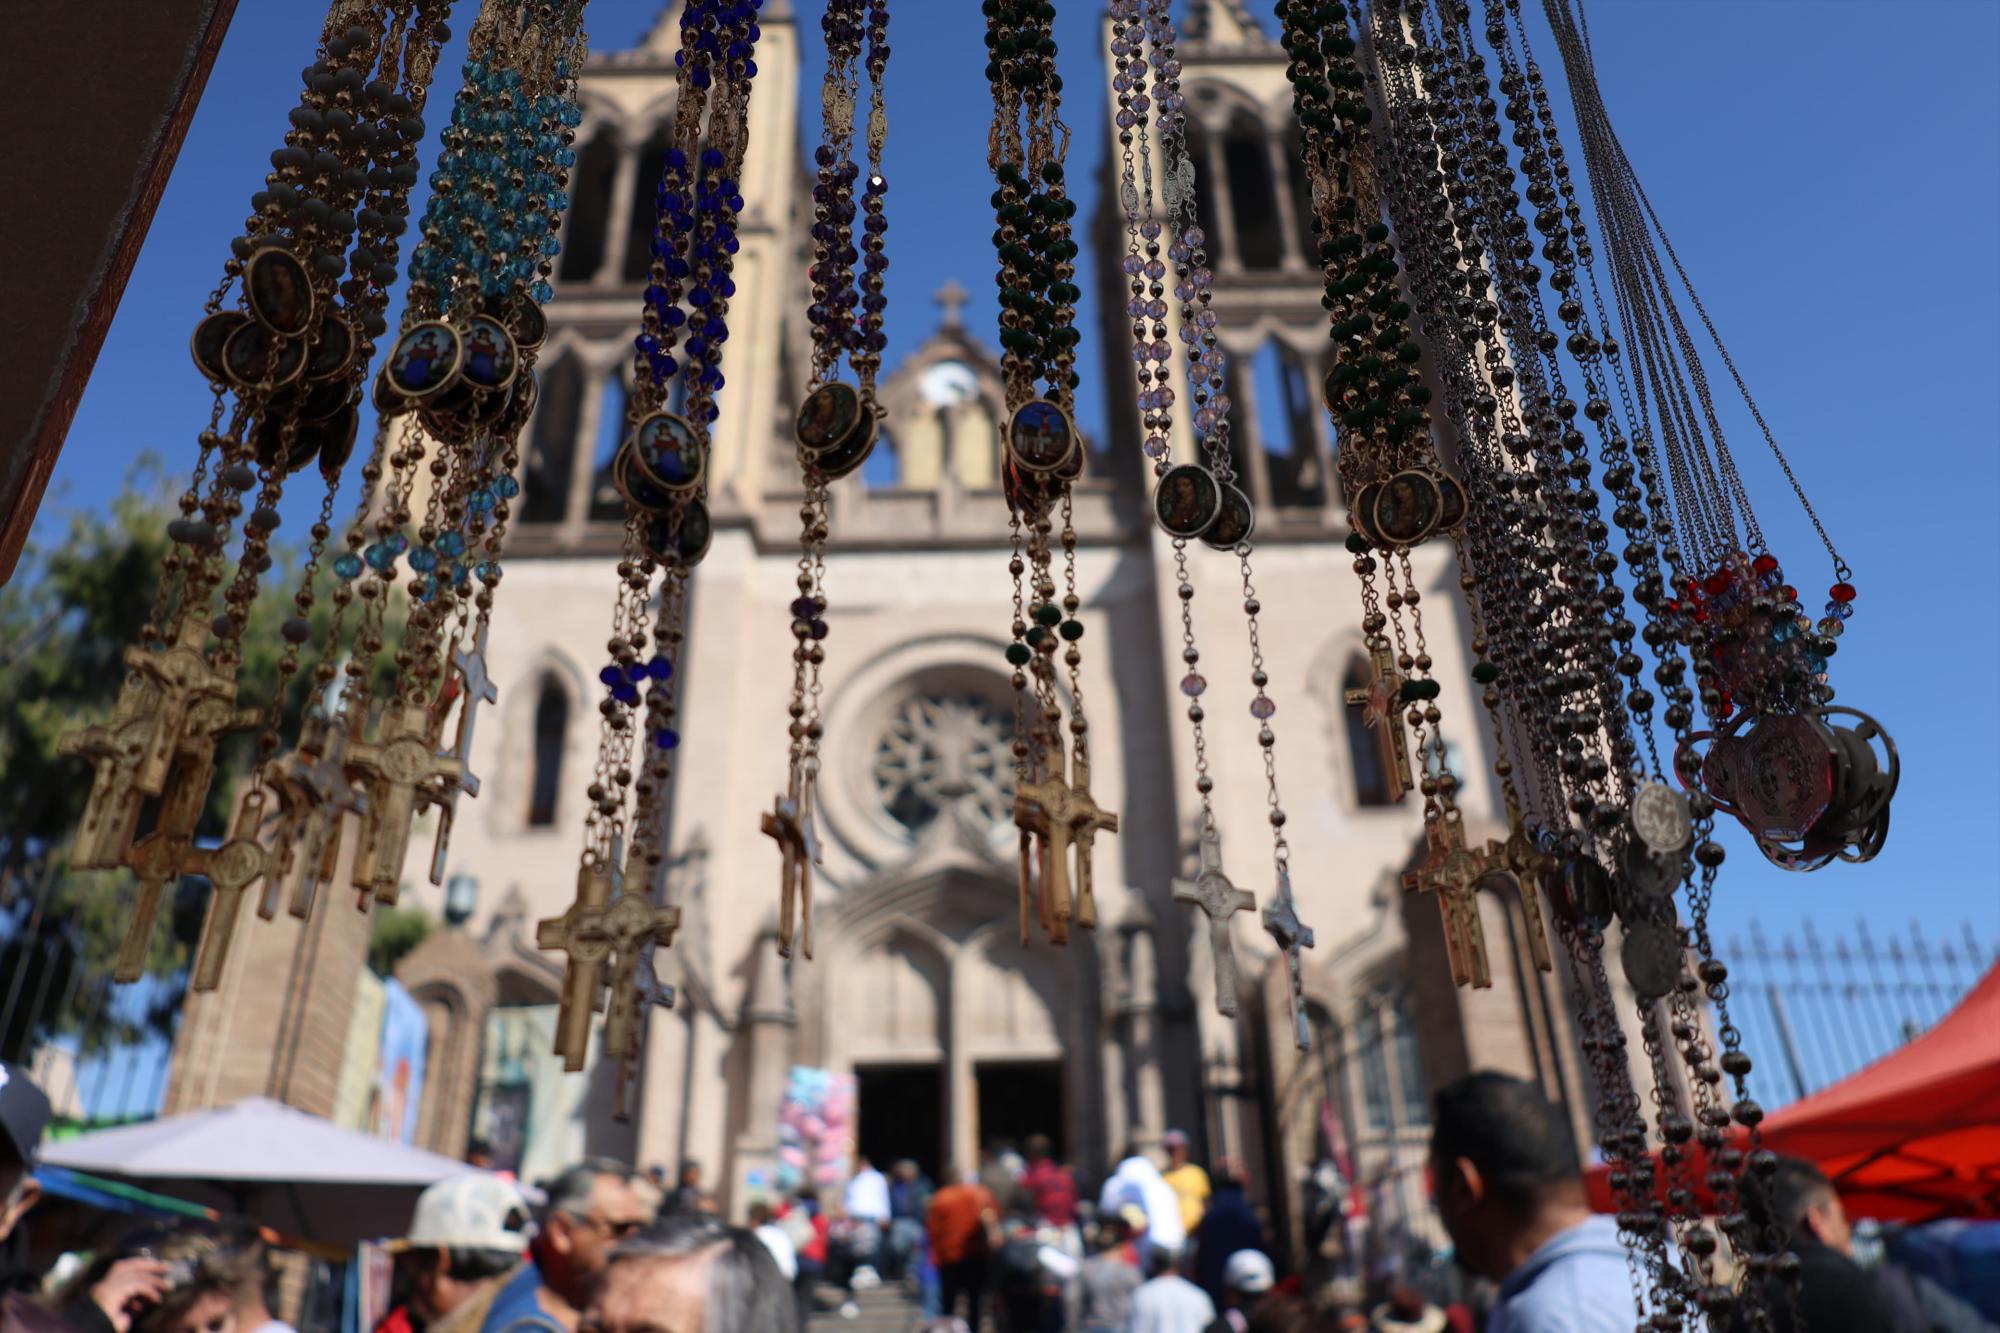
x,y
838,423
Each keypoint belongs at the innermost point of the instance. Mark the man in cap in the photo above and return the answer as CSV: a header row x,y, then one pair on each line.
x,y
592,1207
1246,1276
468,1232
129,1286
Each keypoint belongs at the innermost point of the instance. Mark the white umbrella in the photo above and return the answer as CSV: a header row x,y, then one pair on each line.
x,y
295,1172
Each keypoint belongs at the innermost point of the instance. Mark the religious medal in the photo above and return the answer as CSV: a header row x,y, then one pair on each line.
x,y
1187,501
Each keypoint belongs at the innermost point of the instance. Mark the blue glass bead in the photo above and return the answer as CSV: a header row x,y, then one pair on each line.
x,y
673,317
660,669
347,565
451,544
423,559
612,675
625,694
667,738
543,293
488,571
507,486
398,543
635,674
379,557
480,501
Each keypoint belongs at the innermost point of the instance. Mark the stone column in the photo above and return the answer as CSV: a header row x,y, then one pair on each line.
x,y
768,1025
618,221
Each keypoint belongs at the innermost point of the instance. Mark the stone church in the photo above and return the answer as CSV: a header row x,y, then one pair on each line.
x,y
956,1034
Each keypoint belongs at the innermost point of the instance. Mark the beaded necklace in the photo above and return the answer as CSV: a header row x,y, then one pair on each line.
x,y
661,471
837,423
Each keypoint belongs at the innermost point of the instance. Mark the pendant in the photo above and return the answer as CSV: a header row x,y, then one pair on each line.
x,y
1041,437
425,361
849,454
1187,501
667,453
257,359
1452,503
829,417
209,338
491,359
680,538
1407,508
1233,526
1579,889
332,352
278,292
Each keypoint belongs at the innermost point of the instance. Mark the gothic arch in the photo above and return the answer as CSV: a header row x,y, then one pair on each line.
x,y
449,977
550,465
1253,191
511,783
586,233
642,212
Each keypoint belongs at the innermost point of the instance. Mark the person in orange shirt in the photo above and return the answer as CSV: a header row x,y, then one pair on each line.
x,y
1188,1181
963,1220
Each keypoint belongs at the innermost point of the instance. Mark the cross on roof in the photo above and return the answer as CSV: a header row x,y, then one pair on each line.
x,y
951,299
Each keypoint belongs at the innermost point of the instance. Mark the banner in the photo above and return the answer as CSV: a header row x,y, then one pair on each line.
x,y
816,1130
399,1075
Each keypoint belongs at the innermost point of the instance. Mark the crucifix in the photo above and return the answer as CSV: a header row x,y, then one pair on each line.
x,y
476,687
396,774
325,796
1451,871
1524,864
1085,820
168,852
575,932
1211,891
1059,810
790,824
159,858
1281,923
1380,701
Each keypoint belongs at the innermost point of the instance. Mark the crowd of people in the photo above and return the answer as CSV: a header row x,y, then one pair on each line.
x,y
1014,1246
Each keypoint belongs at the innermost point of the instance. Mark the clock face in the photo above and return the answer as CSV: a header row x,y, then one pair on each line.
x,y
949,384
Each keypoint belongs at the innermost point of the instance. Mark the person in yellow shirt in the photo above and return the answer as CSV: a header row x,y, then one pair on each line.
x,y
1188,1181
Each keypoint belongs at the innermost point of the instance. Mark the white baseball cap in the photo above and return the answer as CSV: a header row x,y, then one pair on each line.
x,y
1248,1271
474,1211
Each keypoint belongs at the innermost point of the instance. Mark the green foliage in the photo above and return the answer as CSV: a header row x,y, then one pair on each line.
x,y
396,931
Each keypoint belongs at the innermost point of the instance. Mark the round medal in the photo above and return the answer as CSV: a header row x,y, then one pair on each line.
x,y
209,338
1362,517
1651,954
667,453
332,353
386,401
490,357
257,358
829,417
1236,521
1041,437
1786,779
635,484
849,454
1579,890
1406,510
278,292
681,538
1187,501
425,361
1661,818
323,400
528,324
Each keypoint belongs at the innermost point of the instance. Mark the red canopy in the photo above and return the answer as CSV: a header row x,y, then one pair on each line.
x,y
1912,1137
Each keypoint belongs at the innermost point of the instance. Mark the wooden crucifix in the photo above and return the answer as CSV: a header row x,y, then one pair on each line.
x,y
168,852
576,933
317,775
159,859
1452,871
791,825
475,688
398,773
1058,809
1282,924
1211,891
1524,864
1380,700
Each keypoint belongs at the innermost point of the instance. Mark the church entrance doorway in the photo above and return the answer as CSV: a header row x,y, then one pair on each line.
x,y
1018,1098
901,1114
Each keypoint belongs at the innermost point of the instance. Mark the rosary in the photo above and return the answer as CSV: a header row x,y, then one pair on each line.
x,y
838,423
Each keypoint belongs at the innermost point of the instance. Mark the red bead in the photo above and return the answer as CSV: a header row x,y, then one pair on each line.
x,y
1788,593
1764,563
1718,582
1841,592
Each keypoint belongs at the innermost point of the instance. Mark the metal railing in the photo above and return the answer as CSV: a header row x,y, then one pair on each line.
x,y
1814,1009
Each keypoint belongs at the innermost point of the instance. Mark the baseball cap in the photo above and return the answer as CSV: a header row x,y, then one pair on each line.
x,y
474,1211
1133,1216
1248,1271
24,1111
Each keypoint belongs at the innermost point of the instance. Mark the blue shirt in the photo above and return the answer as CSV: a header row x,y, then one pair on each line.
x,y
518,1306
1577,1281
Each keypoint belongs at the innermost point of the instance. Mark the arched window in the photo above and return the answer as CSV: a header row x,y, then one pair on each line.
x,y
551,735
1377,1092
1410,1067
605,502
1285,426
1392,1071
553,445
590,209
1204,188
1366,746
645,206
1253,195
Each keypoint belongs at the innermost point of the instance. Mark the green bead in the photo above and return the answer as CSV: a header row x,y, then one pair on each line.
x,y
1485,672
1071,630
1048,613
1357,543
1018,654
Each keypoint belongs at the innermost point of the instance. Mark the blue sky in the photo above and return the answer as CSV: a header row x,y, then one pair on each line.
x,y
1830,173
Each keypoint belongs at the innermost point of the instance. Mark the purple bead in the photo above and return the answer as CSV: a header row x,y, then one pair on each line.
x,y
817,628
805,608
1261,707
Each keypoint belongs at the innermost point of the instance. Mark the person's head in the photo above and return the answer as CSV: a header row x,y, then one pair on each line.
x,y
204,1276
657,1174
466,1231
24,1114
479,1153
1247,1275
1799,1200
1021,1206
953,1175
256,1293
808,1198
1039,1148
762,1214
1176,1144
904,1170
1159,1261
693,1274
861,1165
1504,1169
690,1177
592,1207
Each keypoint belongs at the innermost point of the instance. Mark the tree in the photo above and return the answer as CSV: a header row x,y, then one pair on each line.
x,y
65,622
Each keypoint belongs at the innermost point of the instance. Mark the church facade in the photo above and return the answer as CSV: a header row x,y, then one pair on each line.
x,y
956,1034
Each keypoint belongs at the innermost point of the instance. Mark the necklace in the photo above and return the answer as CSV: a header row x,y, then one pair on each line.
x,y
617,919
838,422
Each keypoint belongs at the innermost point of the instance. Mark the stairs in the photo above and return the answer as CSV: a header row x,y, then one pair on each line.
x,y
886,1309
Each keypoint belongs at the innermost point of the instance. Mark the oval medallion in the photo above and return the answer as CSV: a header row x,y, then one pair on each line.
x,y
1451,504
1579,889
386,401
336,441
323,400
1236,521
425,361
333,353
528,324
269,444
1361,517
1661,818
257,358
1786,779
681,538
1406,510
1041,436
209,338
829,417
278,292
635,484
490,357
1651,953
1187,501
849,454
667,453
